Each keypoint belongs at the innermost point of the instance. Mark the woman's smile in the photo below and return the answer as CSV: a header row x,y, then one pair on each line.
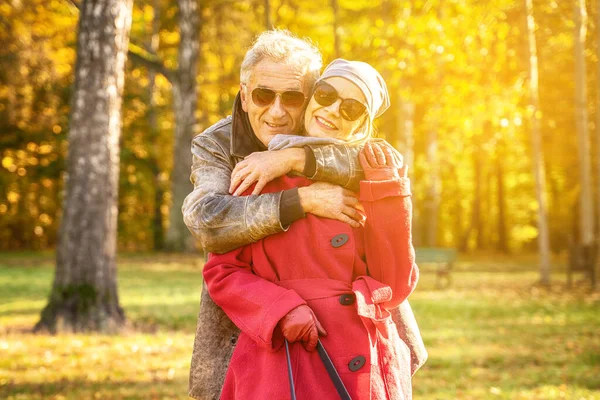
x,y
325,123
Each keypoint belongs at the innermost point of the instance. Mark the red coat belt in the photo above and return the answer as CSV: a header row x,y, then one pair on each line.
x,y
369,293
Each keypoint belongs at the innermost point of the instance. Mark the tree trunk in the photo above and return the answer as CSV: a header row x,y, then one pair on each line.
x,y
221,15
586,216
475,222
268,23
433,192
184,101
458,213
538,155
84,294
336,35
502,244
435,183
155,151
406,126
406,144
481,185
597,266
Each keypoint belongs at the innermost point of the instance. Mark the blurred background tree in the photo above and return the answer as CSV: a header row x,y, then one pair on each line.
x,y
458,73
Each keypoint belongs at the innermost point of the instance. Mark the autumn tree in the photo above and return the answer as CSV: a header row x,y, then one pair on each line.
x,y
586,212
538,155
184,102
597,266
84,295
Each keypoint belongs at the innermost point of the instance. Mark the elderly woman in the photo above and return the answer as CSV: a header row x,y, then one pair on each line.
x,y
323,277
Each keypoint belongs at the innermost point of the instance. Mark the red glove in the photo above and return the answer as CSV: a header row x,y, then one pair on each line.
x,y
300,324
380,163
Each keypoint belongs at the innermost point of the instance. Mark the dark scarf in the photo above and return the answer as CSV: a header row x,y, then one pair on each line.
x,y
243,139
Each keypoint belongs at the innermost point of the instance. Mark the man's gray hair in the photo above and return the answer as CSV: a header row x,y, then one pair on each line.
x,y
284,47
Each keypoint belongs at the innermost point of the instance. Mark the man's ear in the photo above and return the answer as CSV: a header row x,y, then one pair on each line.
x,y
244,96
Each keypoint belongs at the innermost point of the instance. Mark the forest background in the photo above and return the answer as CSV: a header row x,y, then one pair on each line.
x,y
461,111
494,106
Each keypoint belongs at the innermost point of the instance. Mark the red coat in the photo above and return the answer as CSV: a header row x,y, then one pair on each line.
x,y
320,262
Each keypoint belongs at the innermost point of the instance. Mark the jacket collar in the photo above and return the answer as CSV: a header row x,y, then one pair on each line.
x,y
243,139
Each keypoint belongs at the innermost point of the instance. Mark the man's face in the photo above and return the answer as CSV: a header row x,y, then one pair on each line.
x,y
277,117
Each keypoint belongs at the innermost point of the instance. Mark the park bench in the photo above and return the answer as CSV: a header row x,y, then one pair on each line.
x,y
443,258
582,259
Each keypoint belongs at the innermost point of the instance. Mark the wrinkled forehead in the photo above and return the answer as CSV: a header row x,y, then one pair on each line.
x,y
279,76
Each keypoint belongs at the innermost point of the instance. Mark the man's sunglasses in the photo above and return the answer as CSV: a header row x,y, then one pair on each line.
x,y
350,109
264,97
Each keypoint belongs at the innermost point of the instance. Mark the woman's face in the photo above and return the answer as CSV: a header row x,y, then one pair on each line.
x,y
327,121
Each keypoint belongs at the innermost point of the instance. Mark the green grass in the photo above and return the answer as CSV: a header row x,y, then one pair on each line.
x,y
492,335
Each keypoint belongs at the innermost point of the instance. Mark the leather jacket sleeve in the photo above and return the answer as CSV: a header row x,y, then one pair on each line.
x,y
222,222
338,164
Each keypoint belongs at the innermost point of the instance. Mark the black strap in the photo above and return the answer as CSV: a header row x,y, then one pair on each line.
x,y
289,368
335,378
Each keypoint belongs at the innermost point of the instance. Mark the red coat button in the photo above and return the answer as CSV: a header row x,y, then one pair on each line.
x,y
356,363
347,299
339,240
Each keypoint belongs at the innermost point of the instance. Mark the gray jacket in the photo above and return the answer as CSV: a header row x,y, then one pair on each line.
x,y
222,223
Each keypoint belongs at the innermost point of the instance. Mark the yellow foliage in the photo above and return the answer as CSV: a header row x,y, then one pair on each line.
x,y
7,162
13,197
45,149
45,219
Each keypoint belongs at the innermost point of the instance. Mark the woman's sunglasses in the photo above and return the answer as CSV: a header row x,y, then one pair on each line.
x,y
350,109
264,97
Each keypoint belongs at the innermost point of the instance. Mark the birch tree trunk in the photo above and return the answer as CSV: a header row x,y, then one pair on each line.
x,y
159,187
336,34
586,216
435,183
478,161
502,245
597,266
84,293
538,155
434,189
406,125
406,143
184,101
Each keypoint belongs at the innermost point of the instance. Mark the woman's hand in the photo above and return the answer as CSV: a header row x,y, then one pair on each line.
x,y
301,325
262,167
380,163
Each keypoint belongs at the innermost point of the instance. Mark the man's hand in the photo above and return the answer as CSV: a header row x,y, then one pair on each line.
x,y
331,201
380,163
262,167
301,325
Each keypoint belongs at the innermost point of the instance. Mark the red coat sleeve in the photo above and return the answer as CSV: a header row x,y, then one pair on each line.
x,y
254,304
389,251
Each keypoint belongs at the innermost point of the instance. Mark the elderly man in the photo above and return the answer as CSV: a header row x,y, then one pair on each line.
x,y
277,76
